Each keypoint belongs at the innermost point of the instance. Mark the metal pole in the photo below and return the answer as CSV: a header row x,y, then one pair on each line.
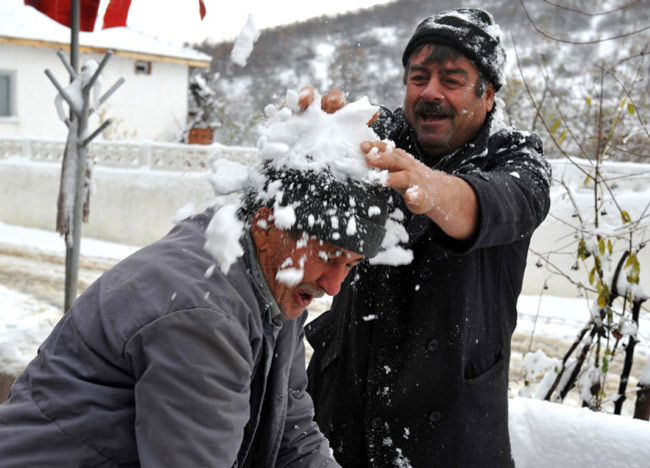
x,y
75,14
72,251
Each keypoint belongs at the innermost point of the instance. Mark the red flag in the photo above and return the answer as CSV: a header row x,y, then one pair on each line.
x,y
116,13
202,9
59,11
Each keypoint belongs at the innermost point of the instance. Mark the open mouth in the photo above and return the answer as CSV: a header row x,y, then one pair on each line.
x,y
303,297
431,111
432,117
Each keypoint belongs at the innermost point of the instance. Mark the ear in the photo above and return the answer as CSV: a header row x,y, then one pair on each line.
x,y
260,228
489,97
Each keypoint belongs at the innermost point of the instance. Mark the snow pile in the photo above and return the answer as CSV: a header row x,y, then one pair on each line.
x,y
554,435
244,43
25,322
304,140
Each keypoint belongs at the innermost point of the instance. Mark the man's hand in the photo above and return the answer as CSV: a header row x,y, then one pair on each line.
x,y
449,201
330,102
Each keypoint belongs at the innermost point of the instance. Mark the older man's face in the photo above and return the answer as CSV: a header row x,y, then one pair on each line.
x,y
323,265
441,103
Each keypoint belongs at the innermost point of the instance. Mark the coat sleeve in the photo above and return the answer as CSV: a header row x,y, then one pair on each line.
x,y
303,444
512,190
193,371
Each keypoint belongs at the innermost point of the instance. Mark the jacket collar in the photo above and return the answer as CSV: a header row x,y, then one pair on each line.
x,y
272,310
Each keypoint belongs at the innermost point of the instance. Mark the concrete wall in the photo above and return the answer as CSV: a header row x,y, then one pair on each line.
x,y
150,107
130,206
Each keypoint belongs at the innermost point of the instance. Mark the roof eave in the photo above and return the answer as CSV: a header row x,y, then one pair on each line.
x,y
198,63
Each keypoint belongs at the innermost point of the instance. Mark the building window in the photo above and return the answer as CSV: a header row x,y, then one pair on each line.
x,y
142,67
6,94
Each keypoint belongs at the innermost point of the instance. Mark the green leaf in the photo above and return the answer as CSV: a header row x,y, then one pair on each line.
x,y
588,99
630,108
601,246
592,275
603,296
610,247
605,364
556,125
562,137
633,262
582,249
625,216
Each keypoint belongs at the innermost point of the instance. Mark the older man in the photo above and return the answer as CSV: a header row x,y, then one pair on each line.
x,y
421,351
165,361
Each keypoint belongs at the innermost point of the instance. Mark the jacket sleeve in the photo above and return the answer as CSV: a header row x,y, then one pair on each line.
x,y
193,371
303,444
512,190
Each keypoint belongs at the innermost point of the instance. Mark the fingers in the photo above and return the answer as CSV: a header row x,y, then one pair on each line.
x,y
333,101
374,119
381,146
305,97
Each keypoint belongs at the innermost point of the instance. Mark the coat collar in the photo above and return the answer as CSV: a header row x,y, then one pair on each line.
x,y
272,311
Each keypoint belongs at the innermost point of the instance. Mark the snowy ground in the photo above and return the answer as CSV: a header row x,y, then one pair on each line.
x,y
543,434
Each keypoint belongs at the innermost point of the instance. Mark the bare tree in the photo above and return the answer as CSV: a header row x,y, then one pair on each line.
x,y
606,127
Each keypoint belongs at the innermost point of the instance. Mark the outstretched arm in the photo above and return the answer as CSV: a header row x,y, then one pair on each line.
x,y
448,201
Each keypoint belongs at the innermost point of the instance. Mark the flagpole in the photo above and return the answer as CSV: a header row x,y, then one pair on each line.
x,y
72,251
75,8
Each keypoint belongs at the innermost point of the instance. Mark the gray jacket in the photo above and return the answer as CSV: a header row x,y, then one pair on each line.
x,y
159,364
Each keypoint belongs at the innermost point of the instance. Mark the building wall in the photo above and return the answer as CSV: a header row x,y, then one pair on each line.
x,y
145,107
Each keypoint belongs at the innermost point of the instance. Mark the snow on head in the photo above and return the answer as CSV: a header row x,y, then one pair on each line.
x,y
315,140
315,177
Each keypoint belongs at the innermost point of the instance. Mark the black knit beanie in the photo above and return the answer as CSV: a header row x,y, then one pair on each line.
x,y
347,213
470,31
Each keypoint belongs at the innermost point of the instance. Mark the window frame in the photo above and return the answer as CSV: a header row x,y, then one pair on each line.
x,y
11,74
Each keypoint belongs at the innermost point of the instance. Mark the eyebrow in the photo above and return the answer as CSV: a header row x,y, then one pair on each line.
x,y
454,71
444,71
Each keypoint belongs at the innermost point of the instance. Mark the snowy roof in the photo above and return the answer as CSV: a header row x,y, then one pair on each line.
x,y
25,25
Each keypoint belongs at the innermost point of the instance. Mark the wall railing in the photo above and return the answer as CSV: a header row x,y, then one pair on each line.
x,y
132,155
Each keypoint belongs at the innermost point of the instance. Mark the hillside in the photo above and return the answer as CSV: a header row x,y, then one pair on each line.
x,y
361,53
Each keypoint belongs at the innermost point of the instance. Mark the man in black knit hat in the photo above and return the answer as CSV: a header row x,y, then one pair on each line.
x,y
167,361
421,351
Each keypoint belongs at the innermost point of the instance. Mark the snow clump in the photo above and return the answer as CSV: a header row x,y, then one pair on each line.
x,y
303,140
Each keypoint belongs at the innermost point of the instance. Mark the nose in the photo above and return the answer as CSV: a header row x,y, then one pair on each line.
x,y
333,277
432,91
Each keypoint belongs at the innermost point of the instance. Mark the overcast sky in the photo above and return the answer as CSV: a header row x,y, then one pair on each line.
x,y
179,20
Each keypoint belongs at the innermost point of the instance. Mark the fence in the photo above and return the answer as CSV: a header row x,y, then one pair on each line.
x,y
128,155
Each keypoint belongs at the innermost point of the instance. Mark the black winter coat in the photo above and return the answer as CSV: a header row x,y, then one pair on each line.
x,y
410,366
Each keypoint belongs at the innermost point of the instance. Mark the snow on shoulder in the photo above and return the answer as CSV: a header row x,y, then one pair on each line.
x,y
324,149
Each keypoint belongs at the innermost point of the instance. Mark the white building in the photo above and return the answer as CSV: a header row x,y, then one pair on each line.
x,y
150,105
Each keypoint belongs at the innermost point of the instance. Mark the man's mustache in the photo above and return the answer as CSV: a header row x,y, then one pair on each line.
x,y
314,291
433,109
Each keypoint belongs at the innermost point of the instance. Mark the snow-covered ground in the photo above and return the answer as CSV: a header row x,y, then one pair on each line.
x,y
543,434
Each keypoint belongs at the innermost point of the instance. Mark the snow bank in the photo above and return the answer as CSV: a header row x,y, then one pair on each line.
x,y
547,434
